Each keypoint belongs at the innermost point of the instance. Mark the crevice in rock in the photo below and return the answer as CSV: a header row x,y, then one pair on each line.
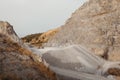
x,y
103,13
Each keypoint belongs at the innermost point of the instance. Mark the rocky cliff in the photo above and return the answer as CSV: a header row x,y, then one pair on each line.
x,y
7,29
96,26
18,62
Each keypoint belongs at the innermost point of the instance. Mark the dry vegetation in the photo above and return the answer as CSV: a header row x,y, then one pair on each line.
x,y
39,39
18,63
29,38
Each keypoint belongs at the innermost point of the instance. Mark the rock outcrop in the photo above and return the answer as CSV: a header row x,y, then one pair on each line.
x,y
96,26
7,29
17,62
78,63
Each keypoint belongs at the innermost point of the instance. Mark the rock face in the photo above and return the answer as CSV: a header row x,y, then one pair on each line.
x,y
17,62
76,63
39,39
96,26
7,29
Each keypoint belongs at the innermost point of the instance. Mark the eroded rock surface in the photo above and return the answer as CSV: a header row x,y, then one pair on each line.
x,y
17,62
95,25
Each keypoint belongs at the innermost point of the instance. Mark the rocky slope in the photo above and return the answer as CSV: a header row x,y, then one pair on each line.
x,y
16,61
96,26
39,39
77,63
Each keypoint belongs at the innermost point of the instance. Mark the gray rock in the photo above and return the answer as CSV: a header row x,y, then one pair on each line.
x,y
96,26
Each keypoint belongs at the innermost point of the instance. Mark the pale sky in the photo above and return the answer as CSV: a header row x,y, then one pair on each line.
x,y
35,16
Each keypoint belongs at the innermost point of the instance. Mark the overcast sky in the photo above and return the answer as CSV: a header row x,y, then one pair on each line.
x,y
34,16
